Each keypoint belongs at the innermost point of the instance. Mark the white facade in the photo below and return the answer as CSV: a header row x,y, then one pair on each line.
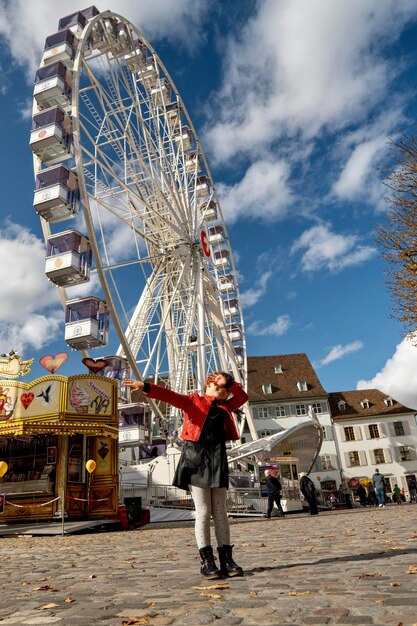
x,y
386,442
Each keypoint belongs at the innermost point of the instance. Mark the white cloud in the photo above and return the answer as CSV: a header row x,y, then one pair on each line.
x,y
339,351
398,377
325,249
30,313
25,25
25,287
253,295
301,67
354,178
32,333
277,328
263,193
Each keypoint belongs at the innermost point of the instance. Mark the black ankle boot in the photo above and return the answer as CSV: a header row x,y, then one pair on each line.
x,y
227,565
208,566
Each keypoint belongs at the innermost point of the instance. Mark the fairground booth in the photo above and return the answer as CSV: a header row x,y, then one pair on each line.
x,y
52,431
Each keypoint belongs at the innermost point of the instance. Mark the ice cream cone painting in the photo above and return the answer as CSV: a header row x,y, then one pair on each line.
x,y
79,398
91,395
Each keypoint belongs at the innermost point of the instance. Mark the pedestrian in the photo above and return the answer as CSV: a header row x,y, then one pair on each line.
x,y
397,494
274,489
412,488
203,467
345,495
371,494
361,491
378,482
309,492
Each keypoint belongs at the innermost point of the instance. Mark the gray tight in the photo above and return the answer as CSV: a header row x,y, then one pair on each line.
x,y
210,502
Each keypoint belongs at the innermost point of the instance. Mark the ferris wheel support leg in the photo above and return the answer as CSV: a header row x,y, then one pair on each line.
x,y
201,365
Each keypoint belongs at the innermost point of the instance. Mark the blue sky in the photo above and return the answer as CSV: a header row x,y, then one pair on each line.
x,y
293,103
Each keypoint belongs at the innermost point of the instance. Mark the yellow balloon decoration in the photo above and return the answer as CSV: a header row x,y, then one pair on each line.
x,y
3,468
90,466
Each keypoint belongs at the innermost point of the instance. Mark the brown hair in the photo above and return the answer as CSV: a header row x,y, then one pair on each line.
x,y
229,378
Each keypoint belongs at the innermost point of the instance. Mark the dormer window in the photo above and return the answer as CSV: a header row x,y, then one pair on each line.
x,y
267,388
365,404
278,369
302,385
341,405
389,401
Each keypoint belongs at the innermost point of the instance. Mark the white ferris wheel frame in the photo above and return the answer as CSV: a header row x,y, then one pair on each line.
x,y
203,293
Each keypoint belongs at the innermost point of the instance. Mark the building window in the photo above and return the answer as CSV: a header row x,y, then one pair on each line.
x,y
405,453
280,411
267,388
354,459
317,407
265,433
278,369
324,432
399,431
302,385
263,412
365,404
326,461
373,431
300,409
389,401
349,433
379,456
341,405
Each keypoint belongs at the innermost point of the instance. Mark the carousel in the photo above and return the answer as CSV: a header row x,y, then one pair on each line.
x,y
58,447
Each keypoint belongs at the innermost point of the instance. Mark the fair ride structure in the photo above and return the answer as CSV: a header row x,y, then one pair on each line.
x,y
128,205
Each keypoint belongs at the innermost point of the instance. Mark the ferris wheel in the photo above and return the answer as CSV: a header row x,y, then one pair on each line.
x,y
115,151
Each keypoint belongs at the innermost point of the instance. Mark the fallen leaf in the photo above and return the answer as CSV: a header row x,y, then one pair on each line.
x,y
69,600
45,607
136,620
215,586
170,553
395,584
298,593
397,548
378,600
412,570
92,576
42,588
262,545
40,580
214,596
253,593
367,575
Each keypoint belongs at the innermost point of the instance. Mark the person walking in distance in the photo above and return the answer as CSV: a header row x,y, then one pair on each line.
x,y
274,489
378,482
203,467
309,492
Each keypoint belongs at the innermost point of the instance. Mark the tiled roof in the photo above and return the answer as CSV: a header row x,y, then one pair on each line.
x,y
354,408
295,368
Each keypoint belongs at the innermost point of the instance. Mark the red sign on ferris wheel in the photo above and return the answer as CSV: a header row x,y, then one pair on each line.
x,y
204,243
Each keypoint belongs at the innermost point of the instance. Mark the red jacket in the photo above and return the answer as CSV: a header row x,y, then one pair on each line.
x,y
196,408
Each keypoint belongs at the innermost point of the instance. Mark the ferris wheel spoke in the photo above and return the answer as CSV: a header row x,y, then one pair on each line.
x,y
123,133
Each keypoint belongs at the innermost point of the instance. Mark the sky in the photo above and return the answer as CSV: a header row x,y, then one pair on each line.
x,y
295,104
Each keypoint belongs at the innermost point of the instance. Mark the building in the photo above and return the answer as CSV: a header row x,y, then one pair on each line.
x,y
373,430
281,389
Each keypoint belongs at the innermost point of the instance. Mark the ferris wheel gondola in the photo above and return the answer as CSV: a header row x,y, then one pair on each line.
x,y
113,142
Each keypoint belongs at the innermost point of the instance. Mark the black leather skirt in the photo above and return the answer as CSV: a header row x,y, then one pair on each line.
x,y
202,466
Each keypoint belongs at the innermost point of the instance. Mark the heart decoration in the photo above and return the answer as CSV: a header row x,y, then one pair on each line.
x,y
95,365
53,363
26,399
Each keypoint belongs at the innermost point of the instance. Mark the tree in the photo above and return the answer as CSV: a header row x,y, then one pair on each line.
x,y
398,236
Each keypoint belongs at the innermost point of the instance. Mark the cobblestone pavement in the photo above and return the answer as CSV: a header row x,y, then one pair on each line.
x,y
345,567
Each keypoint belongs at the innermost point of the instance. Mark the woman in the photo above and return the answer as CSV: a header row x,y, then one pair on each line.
x,y
203,467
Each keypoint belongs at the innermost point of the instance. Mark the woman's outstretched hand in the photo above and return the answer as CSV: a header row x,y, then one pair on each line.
x,y
135,385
